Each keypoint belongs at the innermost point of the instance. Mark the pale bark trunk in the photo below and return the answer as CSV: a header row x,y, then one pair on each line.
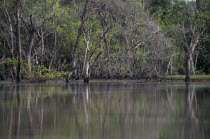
x,y
190,50
31,43
196,60
171,65
42,45
55,47
87,65
80,32
10,39
87,76
187,78
10,30
54,57
14,68
192,67
75,73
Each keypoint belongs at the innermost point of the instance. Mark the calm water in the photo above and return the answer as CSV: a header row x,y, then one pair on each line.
x,y
105,111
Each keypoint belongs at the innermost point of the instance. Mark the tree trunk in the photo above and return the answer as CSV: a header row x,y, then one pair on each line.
x,y
54,57
198,4
192,66
87,65
12,47
196,60
80,32
187,68
107,54
18,41
31,43
12,40
55,38
190,50
42,45
142,2
128,48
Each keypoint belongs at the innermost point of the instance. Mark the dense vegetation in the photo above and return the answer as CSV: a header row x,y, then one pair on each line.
x,y
48,39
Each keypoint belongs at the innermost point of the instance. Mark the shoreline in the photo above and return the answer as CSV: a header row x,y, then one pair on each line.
x,y
154,80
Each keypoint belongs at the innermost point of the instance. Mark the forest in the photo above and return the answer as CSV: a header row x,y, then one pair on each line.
x,y
103,39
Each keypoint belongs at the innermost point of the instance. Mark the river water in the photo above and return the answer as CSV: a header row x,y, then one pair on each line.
x,y
105,110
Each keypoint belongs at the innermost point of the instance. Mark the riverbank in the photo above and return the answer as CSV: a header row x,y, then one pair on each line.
x,y
194,78
170,78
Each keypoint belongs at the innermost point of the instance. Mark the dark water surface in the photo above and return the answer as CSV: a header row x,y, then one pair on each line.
x,y
105,110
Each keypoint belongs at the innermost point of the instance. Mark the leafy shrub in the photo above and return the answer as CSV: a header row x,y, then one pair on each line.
x,y
11,62
200,72
44,73
181,69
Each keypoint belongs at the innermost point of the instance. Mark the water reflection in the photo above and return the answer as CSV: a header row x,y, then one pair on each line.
x,y
191,102
105,110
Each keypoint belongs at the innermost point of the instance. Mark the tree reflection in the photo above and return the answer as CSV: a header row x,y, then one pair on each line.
x,y
169,93
191,103
103,111
16,112
30,114
86,93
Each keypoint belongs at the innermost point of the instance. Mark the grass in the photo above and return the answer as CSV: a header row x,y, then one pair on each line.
x,y
182,77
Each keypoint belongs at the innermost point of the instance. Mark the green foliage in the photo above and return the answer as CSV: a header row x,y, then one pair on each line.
x,y
43,73
155,24
11,62
200,72
24,70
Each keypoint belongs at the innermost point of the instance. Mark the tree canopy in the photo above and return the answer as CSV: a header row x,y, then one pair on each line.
x,y
103,38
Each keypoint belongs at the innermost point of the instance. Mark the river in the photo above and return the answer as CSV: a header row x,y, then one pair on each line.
x,y
105,110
